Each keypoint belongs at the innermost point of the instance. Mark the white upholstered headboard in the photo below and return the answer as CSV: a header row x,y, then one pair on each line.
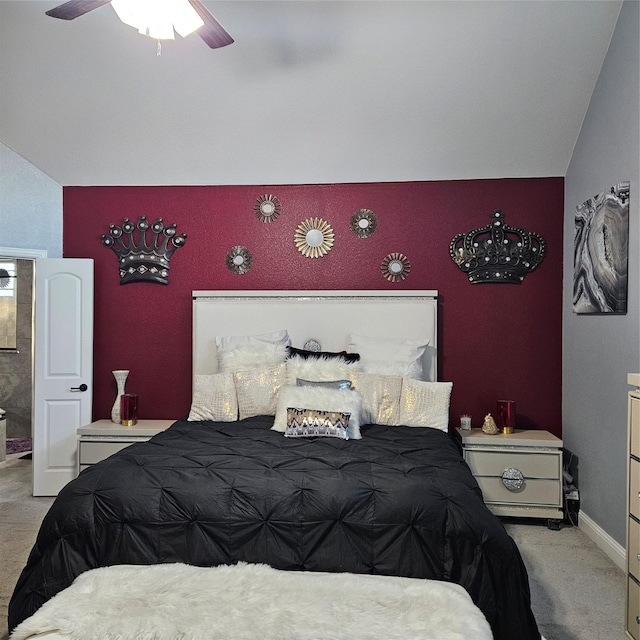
x,y
326,316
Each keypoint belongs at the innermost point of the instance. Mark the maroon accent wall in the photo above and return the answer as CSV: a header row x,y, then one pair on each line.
x,y
495,340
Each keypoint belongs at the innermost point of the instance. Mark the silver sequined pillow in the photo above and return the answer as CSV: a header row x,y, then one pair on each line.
x,y
319,399
425,404
308,423
257,390
214,398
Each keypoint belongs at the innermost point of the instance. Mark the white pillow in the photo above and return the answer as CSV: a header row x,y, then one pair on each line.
x,y
380,397
319,399
214,398
257,390
251,356
318,369
425,404
231,342
389,357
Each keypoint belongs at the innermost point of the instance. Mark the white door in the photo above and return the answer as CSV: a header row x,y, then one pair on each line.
x,y
63,368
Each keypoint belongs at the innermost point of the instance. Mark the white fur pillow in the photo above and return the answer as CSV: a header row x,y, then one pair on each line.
x,y
318,369
425,404
389,357
319,399
251,356
214,398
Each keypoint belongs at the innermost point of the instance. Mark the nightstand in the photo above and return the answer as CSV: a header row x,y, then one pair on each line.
x,y
520,474
100,439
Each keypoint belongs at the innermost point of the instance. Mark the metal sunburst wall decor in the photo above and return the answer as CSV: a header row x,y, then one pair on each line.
x,y
267,208
395,267
314,238
363,223
239,260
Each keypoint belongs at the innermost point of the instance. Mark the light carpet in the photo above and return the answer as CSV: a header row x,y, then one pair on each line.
x,y
249,601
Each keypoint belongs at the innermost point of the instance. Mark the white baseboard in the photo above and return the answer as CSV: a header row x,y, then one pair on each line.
x,y
613,550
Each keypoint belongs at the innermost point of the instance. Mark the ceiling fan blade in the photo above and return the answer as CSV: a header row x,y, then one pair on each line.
x,y
212,32
75,8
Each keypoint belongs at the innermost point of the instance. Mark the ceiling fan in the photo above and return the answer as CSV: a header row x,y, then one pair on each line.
x,y
190,15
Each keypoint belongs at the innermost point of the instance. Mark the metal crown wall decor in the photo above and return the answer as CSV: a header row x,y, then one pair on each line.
x,y
143,256
497,252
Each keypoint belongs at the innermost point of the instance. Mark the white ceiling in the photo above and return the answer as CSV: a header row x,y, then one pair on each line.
x,y
310,92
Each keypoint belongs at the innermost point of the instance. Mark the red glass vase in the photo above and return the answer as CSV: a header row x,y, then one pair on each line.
x,y
128,409
506,415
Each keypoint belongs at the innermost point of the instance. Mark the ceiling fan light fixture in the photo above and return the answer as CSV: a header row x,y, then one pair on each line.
x,y
158,18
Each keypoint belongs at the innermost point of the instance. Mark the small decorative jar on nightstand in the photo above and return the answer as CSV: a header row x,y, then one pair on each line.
x,y
99,440
520,473
633,520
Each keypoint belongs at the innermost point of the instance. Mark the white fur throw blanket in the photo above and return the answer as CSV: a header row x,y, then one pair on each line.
x,y
181,602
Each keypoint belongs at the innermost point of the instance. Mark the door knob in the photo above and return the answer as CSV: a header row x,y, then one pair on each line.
x,y
82,387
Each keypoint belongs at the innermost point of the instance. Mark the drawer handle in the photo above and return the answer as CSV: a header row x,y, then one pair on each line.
x,y
637,619
512,479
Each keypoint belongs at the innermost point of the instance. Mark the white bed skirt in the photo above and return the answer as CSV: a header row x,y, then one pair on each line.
x,y
246,602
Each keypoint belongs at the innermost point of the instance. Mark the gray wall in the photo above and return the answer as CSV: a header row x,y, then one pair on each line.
x,y
599,351
30,218
30,206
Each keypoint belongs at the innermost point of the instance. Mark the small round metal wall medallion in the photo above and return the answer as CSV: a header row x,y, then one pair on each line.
x,y
395,267
363,223
239,260
267,208
314,238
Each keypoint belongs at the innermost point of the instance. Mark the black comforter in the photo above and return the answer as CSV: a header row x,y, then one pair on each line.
x,y
401,501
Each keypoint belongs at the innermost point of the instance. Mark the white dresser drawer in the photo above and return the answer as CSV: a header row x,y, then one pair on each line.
x,y
634,418
633,609
93,452
633,550
634,488
534,492
532,465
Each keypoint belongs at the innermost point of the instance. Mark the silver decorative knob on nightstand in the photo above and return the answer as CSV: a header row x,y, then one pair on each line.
x,y
512,479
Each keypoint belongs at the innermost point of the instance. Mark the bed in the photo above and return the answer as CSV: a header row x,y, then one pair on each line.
x,y
383,494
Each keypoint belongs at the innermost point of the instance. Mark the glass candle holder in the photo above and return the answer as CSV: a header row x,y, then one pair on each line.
x,y
465,422
128,409
506,415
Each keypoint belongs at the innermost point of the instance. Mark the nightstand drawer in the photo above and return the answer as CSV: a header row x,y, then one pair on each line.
x,y
93,452
634,418
633,610
532,465
533,492
633,550
634,488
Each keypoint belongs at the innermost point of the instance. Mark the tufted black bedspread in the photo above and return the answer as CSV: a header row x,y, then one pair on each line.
x,y
401,501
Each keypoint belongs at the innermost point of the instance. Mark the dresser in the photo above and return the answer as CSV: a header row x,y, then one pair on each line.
x,y
520,473
633,519
100,439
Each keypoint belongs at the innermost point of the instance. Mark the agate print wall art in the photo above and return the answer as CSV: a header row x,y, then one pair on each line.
x,y
601,247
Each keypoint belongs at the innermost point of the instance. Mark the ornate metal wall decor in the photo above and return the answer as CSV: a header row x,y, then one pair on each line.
x,y
312,345
143,249
363,223
497,252
314,237
601,252
267,208
395,267
239,260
